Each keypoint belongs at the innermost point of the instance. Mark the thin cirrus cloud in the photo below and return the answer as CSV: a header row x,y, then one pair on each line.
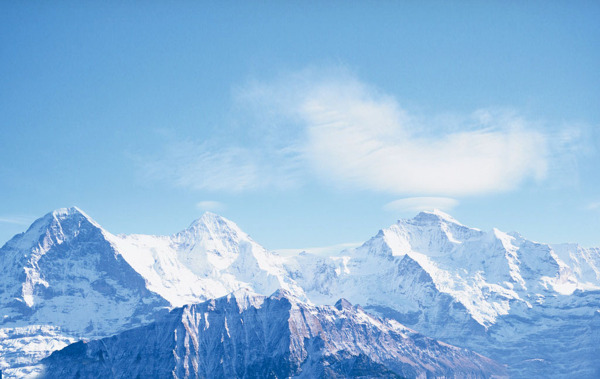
x,y
419,204
208,166
593,206
15,220
339,130
355,135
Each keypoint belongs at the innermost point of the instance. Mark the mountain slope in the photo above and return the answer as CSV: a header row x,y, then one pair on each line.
x,y
64,262
68,273
211,258
489,291
252,336
530,305
63,273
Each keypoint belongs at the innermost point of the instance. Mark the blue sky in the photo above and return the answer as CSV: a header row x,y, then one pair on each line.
x,y
308,124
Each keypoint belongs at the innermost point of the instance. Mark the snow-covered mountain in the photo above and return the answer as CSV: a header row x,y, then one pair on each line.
x,y
532,306
67,278
481,271
251,336
209,259
62,280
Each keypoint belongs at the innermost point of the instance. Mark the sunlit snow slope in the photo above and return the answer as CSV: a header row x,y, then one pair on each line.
x,y
67,273
211,258
533,306
62,280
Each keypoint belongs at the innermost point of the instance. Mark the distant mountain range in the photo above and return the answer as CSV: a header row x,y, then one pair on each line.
x,y
533,307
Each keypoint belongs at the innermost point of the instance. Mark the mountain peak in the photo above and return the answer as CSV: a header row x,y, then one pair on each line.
x,y
71,213
213,237
342,304
59,225
65,212
208,216
212,226
435,215
212,221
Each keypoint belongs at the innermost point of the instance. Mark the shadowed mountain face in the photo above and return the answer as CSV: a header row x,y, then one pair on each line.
x,y
66,278
64,264
529,305
251,336
532,306
62,280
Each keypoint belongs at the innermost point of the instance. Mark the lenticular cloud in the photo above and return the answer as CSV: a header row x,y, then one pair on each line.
x,y
370,142
341,131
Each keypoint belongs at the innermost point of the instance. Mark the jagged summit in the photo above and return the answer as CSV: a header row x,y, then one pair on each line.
x,y
209,259
54,227
281,293
435,215
213,226
65,212
342,304
214,235
64,263
210,218
71,213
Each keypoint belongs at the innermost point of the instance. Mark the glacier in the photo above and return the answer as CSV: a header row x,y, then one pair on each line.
x,y
532,306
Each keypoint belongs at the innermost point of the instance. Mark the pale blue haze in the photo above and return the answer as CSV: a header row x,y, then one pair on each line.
x,y
89,92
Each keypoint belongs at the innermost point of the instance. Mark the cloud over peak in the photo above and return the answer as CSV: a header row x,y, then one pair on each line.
x,y
368,141
344,132
419,204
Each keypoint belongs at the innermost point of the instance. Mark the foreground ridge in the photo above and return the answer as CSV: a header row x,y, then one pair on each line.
x,y
249,335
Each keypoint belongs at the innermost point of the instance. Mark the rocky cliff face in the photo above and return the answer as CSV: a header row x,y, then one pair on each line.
x,y
251,336
62,280
530,305
67,278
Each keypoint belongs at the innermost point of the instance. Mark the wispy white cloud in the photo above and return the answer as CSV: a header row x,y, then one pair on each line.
x,y
203,166
593,206
355,135
17,220
210,205
331,126
418,204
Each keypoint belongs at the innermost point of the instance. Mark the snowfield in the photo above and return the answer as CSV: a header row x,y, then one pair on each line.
x,y
532,306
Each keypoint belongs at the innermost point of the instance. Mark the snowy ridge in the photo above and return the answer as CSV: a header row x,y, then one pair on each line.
x,y
210,259
26,345
247,335
484,271
68,272
472,288
63,273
